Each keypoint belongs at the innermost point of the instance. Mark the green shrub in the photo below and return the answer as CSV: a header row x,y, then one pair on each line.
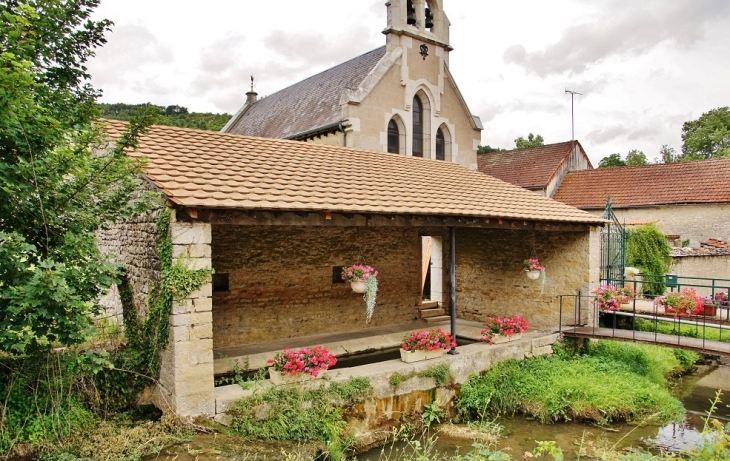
x,y
299,415
613,381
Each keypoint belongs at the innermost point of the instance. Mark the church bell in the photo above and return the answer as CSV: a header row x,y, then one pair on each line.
x,y
411,13
429,19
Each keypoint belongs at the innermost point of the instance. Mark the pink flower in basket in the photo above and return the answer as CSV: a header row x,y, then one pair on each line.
x,y
428,340
306,360
506,326
358,273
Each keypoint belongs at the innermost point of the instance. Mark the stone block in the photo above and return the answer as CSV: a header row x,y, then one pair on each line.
x,y
196,318
203,304
200,403
179,333
183,233
191,251
182,306
205,291
195,263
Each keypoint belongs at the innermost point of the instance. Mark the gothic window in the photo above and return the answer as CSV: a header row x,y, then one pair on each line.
x,y
393,137
440,145
417,127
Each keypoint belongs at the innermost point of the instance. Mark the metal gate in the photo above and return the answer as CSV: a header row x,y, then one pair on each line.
x,y
613,248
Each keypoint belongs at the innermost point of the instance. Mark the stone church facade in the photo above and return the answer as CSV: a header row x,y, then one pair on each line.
x,y
400,98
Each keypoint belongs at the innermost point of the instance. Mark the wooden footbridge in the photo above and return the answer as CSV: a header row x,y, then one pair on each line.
x,y
702,345
699,324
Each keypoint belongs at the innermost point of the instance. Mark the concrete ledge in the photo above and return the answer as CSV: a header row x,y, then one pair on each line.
x,y
472,358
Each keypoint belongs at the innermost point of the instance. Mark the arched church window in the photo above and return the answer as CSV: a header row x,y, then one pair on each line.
x,y
417,127
440,145
393,137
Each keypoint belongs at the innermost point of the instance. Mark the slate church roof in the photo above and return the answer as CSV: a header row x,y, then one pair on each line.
x,y
311,104
206,169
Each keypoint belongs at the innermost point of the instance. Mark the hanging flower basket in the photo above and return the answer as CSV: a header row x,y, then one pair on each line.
x,y
363,279
533,269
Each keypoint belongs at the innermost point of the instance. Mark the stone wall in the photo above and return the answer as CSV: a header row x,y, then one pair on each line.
x,y
186,365
490,278
708,266
134,244
280,280
695,222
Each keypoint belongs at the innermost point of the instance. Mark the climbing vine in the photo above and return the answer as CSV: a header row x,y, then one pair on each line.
x,y
146,338
647,249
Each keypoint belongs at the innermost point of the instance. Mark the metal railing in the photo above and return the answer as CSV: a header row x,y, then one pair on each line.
x,y
586,313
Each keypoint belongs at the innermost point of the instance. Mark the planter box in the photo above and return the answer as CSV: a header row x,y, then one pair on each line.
x,y
417,356
504,338
709,310
532,275
277,378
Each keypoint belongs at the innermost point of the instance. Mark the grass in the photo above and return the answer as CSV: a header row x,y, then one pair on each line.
x,y
607,382
440,373
300,415
670,328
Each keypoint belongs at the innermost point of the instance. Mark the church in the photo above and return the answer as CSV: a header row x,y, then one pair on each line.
x,y
400,98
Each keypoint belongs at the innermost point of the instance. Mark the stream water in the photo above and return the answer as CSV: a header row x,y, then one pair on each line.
x,y
696,392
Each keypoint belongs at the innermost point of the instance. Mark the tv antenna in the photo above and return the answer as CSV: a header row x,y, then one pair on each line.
x,y
572,117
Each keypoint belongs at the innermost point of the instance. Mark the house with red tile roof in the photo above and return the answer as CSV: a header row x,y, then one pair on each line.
x,y
278,219
399,98
690,200
540,169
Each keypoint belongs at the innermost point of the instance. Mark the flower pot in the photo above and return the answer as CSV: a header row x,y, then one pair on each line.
x,y
278,378
417,356
498,339
532,275
709,310
358,287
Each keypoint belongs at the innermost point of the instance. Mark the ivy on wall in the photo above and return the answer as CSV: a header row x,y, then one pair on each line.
x,y
647,249
138,365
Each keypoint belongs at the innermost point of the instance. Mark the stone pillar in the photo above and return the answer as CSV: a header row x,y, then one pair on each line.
x,y
186,372
594,278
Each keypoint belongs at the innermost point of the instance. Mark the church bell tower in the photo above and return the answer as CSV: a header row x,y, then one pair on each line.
x,y
423,20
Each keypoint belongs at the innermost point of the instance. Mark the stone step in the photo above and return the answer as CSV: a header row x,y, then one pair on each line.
x,y
440,318
428,305
433,312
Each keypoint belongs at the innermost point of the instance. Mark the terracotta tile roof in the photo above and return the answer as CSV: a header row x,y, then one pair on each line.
x,y
209,169
307,105
715,243
706,181
532,167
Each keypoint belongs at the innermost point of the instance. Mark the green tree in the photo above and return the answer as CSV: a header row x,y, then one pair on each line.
x,y
667,154
612,161
56,185
636,157
647,249
708,136
170,115
487,149
531,141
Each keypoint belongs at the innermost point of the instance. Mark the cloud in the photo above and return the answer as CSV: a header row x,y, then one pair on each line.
x,y
330,50
624,28
129,49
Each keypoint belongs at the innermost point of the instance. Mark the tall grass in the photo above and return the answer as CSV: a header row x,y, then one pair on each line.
x,y
608,382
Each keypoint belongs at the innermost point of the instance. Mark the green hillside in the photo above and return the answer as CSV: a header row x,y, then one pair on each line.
x,y
170,115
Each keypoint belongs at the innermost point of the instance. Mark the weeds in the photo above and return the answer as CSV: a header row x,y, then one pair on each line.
x,y
299,415
440,373
610,382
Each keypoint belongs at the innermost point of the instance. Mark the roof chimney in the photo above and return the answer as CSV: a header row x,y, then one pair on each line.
x,y
251,95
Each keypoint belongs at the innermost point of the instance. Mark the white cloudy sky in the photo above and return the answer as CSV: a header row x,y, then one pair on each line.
x,y
644,67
